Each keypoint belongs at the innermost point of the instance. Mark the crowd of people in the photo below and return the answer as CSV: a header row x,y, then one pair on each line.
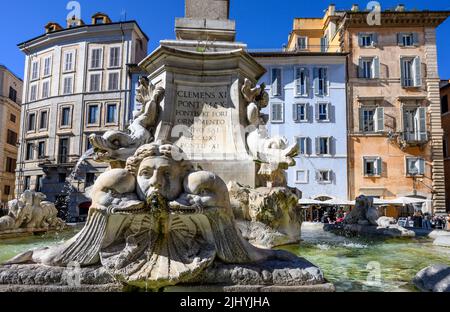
x,y
336,215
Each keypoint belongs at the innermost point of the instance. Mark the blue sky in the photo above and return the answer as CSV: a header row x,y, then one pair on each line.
x,y
262,24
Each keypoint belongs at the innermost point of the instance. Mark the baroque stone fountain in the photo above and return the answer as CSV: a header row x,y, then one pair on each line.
x,y
196,157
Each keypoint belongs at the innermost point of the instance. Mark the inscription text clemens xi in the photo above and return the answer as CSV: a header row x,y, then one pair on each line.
x,y
204,118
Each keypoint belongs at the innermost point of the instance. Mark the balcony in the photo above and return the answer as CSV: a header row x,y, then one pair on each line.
x,y
407,139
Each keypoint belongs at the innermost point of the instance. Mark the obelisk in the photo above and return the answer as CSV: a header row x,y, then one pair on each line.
x,y
206,20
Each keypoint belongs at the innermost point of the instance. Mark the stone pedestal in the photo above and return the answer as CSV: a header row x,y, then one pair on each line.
x,y
204,112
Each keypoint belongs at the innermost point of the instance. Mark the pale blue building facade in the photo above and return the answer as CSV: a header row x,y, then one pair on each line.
x,y
308,104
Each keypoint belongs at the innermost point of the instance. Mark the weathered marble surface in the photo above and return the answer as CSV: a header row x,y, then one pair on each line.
x,y
435,278
30,213
369,230
267,217
159,223
443,241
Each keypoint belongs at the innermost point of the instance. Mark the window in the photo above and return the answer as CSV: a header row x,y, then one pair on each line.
x,y
301,177
276,81
35,70
13,94
33,93
445,143
39,180
411,72
90,179
45,89
43,120
63,150
27,183
302,43
7,190
300,112
368,40
415,124
372,119
65,116
408,39
324,44
113,81
69,61
369,68
62,177
11,138
323,146
301,81
30,151
95,82
304,146
415,166
321,81
47,66
12,118
114,57
68,85
444,104
31,122
92,114
41,150
11,164
99,20
277,112
111,113
323,112
324,176
96,58
372,166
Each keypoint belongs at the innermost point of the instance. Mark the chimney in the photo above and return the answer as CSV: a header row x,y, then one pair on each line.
x,y
400,8
331,9
355,8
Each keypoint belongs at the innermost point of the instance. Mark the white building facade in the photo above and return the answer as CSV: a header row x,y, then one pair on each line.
x,y
77,82
308,105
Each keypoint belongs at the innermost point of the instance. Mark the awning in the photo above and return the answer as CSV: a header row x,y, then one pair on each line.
x,y
401,201
307,202
339,202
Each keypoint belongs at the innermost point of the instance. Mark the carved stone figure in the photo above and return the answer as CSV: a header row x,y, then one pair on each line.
x,y
117,146
275,154
30,211
157,223
364,212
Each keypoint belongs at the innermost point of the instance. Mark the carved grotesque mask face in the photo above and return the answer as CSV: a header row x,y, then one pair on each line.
x,y
159,175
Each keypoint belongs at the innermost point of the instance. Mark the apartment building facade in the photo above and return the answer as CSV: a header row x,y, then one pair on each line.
x,y
308,106
77,82
395,137
445,110
10,100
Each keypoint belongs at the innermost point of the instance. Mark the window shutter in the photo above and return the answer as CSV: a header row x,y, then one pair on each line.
x,y
379,119
422,118
360,39
316,81
297,77
400,39
317,146
402,71
376,67
308,146
325,81
421,166
317,111
415,39
360,69
295,112
307,81
361,119
379,166
332,146
417,67
375,39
